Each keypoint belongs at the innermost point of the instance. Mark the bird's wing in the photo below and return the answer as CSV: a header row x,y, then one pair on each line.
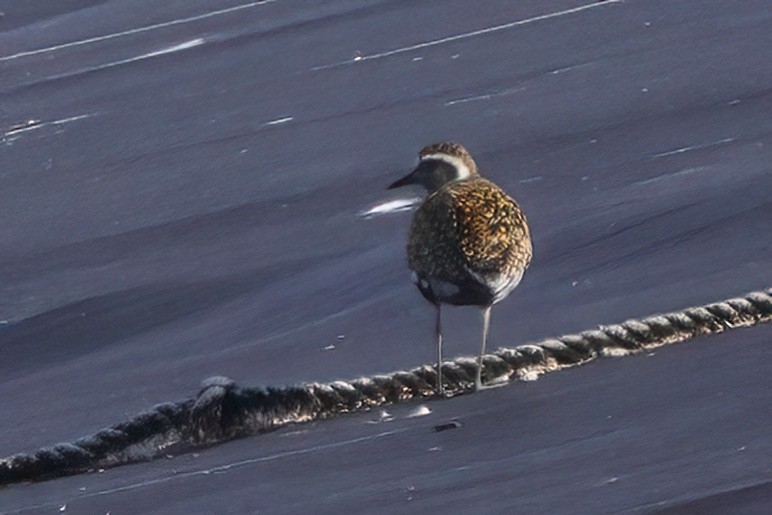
x,y
492,232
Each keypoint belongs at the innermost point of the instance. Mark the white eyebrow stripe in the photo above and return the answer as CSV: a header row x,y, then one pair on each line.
x,y
462,170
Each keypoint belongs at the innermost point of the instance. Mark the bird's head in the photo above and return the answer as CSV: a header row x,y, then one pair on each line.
x,y
439,164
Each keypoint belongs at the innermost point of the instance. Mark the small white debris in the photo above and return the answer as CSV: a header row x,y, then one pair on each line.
x,y
63,507
608,481
384,416
420,411
358,56
434,449
418,59
647,23
329,347
455,56
574,283
82,489
341,337
734,102
645,90
21,127
741,448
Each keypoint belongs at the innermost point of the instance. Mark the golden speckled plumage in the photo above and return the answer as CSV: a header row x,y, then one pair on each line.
x,y
469,231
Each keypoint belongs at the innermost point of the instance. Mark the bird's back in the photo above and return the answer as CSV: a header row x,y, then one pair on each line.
x,y
469,243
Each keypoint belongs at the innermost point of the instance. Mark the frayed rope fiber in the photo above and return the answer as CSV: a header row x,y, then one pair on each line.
x,y
223,411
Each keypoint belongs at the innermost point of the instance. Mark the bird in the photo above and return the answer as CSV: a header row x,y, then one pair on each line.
x,y
469,242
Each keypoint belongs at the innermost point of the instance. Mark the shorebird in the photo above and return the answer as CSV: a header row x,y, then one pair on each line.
x,y
469,242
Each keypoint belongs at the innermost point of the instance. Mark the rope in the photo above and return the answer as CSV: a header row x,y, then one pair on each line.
x,y
223,411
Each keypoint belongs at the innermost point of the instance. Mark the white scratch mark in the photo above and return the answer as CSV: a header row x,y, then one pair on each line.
x,y
278,121
391,206
176,48
509,91
72,119
465,35
693,147
487,96
32,125
23,127
570,68
169,50
685,171
138,30
531,179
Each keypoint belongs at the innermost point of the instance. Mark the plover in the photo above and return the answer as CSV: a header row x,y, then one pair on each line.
x,y
469,242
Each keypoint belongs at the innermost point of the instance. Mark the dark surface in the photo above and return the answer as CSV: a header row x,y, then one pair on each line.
x,y
172,233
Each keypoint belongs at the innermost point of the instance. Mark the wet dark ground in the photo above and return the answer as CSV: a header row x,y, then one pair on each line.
x,y
180,189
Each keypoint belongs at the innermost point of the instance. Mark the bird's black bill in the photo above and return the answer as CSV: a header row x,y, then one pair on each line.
x,y
408,179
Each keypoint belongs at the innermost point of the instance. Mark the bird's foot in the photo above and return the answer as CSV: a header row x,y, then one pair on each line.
x,y
478,386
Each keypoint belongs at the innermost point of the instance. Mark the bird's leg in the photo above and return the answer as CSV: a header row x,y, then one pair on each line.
x,y
438,337
486,313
